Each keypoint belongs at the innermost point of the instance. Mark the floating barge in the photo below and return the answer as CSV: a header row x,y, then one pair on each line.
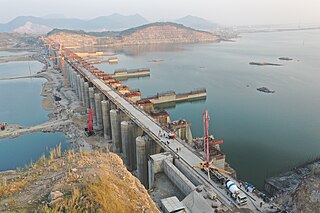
x,y
130,73
171,96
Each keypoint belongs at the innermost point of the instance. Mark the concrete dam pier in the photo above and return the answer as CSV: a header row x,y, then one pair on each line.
x,y
134,134
124,74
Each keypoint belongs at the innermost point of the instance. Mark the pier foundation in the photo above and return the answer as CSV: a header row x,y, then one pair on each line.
x,y
129,132
79,88
86,96
142,160
74,79
115,120
105,107
127,136
97,99
82,91
92,105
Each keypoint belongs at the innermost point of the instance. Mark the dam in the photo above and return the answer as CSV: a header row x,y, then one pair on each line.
x,y
132,132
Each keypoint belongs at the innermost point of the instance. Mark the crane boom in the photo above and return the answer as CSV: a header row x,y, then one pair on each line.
x,y
206,119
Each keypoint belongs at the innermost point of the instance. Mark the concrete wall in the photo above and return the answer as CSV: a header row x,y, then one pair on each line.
x,y
179,179
155,165
187,172
219,163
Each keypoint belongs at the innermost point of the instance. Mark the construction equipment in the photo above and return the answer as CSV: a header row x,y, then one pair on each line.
x,y
207,165
171,135
89,130
3,126
216,142
60,56
238,196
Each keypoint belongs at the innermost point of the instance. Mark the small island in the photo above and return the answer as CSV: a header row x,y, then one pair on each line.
x,y
264,64
265,90
156,60
285,59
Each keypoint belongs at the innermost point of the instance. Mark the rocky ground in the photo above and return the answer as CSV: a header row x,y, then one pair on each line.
x,y
76,182
305,198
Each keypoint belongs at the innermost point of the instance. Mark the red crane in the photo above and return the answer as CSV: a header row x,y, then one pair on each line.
x,y
207,165
3,126
205,120
89,129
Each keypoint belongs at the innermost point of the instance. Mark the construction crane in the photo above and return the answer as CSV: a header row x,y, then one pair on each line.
x,y
89,129
207,165
62,64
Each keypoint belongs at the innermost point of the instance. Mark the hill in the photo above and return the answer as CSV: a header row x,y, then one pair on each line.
x,y
31,28
154,33
197,23
75,182
111,22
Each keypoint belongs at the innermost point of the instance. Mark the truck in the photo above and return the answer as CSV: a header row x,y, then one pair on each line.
x,y
235,193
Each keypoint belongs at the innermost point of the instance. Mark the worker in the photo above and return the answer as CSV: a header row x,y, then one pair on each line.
x,y
260,204
177,149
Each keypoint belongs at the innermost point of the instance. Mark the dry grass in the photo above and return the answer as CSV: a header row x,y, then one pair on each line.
x,y
90,182
73,203
55,152
108,197
17,184
7,189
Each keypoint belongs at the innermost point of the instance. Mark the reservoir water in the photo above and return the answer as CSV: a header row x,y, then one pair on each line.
x,y
21,104
264,134
21,151
19,68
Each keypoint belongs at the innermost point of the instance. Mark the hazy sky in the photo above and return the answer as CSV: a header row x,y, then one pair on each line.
x,y
226,12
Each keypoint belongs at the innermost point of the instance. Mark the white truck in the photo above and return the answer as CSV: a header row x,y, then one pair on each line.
x,y
235,193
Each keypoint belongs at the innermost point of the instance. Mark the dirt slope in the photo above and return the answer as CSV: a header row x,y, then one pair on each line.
x,y
90,182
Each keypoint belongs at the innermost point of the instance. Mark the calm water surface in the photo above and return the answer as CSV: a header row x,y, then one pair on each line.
x,y
9,53
19,68
264,134
21,104
21,151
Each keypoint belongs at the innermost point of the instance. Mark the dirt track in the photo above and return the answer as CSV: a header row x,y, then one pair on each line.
x,y
15,130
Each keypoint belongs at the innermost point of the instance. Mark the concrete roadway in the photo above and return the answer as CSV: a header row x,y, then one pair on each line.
x,y
152,128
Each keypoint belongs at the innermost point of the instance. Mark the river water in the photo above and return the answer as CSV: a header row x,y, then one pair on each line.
x,y
21,104
264,134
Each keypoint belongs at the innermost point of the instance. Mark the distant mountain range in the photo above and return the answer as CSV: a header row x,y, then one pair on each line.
x,y
114,22
102,23
196,23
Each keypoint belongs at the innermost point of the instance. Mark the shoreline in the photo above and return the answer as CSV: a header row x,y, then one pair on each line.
x,y
60,118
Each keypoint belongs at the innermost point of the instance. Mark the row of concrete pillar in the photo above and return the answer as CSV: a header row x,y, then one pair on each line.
x,y
125,135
